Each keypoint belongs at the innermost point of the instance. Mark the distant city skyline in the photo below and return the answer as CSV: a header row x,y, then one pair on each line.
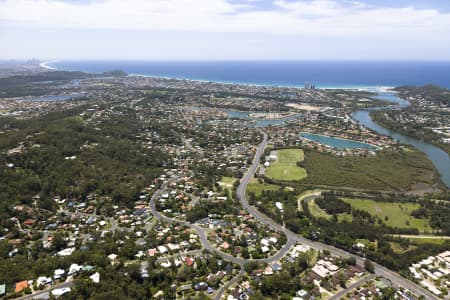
x,y
225,30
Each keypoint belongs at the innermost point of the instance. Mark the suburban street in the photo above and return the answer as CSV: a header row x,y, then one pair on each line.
x,y
46,291
204,239
225,287
352,286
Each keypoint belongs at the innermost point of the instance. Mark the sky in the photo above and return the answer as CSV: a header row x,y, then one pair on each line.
x,y
225,29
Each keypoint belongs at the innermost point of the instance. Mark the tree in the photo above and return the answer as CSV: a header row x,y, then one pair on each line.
x,y
351,261
369,266
58,242
245,253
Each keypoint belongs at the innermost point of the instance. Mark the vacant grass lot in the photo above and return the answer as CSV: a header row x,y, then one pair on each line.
x,y
386,171
397,248
392,214
285,168
227,181
257,188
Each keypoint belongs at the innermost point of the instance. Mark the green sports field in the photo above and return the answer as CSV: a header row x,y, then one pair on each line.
x,y
285,167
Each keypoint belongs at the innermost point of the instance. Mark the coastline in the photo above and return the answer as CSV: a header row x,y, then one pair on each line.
x,y
375,88
45,65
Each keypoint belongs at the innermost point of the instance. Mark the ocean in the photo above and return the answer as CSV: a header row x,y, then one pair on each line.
x,y
323,74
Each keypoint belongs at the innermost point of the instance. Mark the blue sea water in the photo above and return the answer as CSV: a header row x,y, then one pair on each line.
x,y
342,74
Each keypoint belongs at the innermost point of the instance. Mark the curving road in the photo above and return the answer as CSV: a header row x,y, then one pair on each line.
x,y
204,239
207,244
292,237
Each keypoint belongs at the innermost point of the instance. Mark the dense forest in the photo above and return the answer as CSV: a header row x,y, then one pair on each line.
x,y
60,155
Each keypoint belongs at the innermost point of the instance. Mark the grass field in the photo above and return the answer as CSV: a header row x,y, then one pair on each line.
x,y
397,248
227,181
285,168
386,171
255,187
421,241
425,239
345,217
392,214
317,212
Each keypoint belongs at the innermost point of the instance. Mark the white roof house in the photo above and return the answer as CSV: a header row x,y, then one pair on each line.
x,y
61,291
162,249
66,252
112,256
95,277
273,240
265,242
58,273
42,280
166,264
74,268
279,205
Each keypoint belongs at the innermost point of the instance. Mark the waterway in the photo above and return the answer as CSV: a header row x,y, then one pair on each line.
x,y
336,142
245,115
439,157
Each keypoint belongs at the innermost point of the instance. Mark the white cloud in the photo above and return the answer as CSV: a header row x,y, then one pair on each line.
x,y
310,18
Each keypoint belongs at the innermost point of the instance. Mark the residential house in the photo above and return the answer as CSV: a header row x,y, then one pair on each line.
x,y
21,285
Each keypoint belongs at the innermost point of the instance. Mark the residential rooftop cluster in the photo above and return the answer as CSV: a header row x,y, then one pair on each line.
x,y
433,273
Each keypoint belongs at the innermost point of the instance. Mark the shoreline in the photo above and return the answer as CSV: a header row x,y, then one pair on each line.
x,y
375,88
46,66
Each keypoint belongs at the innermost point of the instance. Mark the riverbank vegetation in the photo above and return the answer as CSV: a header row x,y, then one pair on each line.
x,y
386,171
428,111
417,131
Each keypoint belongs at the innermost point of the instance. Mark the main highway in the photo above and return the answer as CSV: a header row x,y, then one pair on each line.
x,y
292,237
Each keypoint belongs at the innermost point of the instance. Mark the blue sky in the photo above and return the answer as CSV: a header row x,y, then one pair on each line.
x,y
225,29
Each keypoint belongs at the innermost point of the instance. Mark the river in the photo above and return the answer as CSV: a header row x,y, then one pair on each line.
x,y
439,157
